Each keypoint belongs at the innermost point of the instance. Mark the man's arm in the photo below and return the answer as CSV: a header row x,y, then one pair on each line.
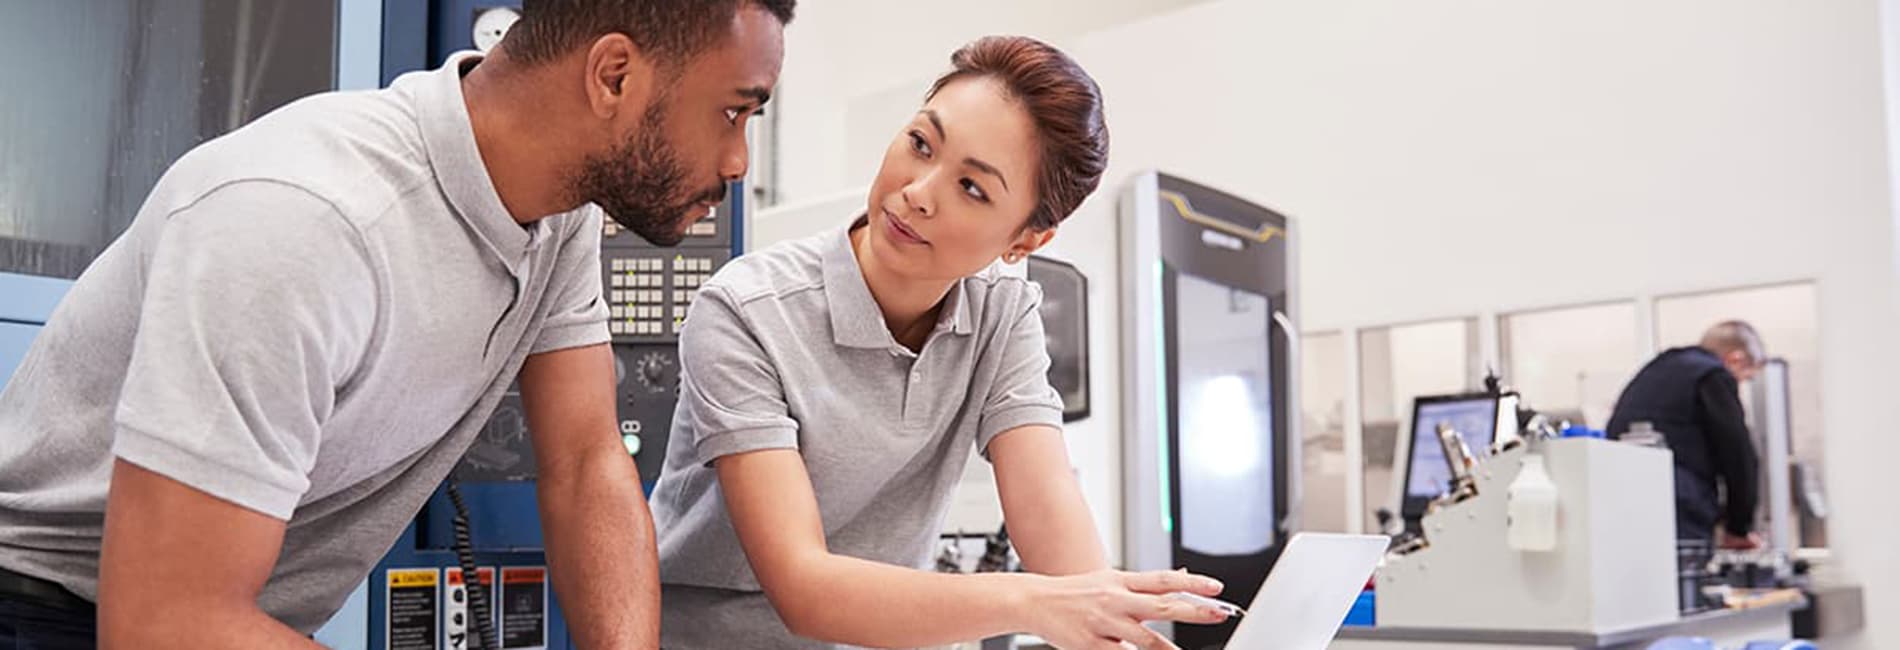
x,y
1734,450
1049,522
257,299
182,569
598,528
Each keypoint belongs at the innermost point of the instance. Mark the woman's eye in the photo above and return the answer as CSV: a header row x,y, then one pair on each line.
x,y
918,144
976,192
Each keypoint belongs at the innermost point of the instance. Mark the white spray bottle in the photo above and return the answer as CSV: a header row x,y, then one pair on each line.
x,y
1532,507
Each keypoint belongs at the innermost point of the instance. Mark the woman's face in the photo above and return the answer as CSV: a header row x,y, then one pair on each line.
x,y
957,186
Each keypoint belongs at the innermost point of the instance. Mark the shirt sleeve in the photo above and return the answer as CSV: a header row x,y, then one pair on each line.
x,y
732,400
1021,394
1734,449
576,314
258,302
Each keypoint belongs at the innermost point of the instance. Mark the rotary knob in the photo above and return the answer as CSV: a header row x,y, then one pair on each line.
x,y
654,371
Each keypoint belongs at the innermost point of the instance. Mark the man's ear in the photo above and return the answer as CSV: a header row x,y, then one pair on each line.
x,y
619,77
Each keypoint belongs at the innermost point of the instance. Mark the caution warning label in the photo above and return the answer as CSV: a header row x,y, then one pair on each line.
x,y
412,600
458,618
524,608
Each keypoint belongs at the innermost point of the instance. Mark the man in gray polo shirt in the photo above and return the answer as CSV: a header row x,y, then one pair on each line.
x,y
242,402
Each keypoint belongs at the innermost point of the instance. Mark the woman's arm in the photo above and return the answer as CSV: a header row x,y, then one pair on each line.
x,y
1049,522
842,599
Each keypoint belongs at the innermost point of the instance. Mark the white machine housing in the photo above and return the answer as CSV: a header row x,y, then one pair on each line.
x,y
1614,567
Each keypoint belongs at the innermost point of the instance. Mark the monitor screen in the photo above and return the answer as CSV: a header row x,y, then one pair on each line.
x,y
1474,417
1065,327
1225,423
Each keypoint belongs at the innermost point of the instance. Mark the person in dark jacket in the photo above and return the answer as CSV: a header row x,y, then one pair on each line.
x,y
1691,395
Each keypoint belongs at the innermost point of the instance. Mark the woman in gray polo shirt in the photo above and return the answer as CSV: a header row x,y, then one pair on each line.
x,y
832,389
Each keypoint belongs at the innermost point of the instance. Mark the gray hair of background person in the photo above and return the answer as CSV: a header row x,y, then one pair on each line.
x,y
1733,335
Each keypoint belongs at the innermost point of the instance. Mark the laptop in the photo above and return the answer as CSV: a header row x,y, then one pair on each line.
x,y
1306,596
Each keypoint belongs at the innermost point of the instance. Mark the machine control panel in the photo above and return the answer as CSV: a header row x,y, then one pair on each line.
x,y
650,291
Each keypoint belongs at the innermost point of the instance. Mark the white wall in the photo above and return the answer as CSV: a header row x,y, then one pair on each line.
x,y
1459,157
840,50
1452,158
1551,135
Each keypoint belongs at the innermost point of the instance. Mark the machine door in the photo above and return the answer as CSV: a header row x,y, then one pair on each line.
x,y
1223,281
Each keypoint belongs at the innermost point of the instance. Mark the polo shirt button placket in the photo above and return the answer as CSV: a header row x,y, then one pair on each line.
x,y
911,394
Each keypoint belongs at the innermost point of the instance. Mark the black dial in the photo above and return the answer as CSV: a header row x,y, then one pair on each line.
x,y
655,372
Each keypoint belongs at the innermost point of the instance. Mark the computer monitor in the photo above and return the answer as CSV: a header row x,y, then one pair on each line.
x,y
1427,475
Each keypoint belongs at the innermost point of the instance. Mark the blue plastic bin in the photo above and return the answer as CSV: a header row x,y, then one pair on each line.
x,y
1361,614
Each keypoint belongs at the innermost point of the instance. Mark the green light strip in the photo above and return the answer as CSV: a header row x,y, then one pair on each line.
x,y
1161,382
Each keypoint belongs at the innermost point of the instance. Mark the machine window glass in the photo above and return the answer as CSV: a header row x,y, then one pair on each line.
x,y
1785,316
1397,364
1226,416
1571,362
1323,432
120,90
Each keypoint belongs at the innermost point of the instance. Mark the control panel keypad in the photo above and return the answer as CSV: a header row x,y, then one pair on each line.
x,y
649,291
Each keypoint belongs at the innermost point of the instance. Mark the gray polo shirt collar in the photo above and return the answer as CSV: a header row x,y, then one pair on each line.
x,y
856,321
450,142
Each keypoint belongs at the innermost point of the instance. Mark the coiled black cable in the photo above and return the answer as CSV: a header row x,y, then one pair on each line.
x,y
482,618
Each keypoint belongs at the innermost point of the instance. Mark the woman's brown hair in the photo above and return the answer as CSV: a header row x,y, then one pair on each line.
x,y
1063,102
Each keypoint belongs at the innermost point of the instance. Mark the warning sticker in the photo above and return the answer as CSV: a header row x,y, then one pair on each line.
x,y
412,601
524,608
458,615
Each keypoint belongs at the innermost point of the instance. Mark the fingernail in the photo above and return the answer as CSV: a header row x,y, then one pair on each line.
x,y
1214,613
1211,583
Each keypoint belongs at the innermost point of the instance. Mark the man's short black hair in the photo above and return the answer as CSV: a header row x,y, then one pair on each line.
x,y
670,32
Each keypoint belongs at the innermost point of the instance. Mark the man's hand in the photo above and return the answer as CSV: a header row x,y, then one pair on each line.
x,y
1729,542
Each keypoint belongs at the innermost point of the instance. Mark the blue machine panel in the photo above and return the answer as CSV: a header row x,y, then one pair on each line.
x,y
30,298
26,302
496,477
15,338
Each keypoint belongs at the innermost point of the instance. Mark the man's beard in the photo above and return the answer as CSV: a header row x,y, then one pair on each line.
x,y
636,183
